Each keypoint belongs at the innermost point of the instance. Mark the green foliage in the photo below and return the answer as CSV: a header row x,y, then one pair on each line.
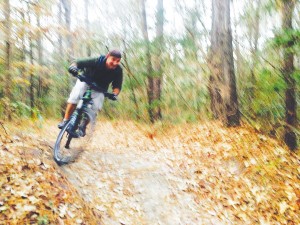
x,y
185,94
261,91
20,109
286,38
296,76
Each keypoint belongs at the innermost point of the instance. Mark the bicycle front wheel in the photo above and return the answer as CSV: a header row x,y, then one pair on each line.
x,y
73,139
62,152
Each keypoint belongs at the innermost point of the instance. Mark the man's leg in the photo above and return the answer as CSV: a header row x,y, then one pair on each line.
x,y
75,95
98,100
69,110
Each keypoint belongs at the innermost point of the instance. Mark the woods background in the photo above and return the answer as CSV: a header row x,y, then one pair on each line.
x,y
184,61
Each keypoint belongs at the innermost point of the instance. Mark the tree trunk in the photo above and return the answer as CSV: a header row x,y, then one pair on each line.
x,y
222,87
8,51
87,27
60,21
191,31
288,70
31,79
156,80
254,48
154,73
67,13
40,55
23,69
148,58
131,77
66,4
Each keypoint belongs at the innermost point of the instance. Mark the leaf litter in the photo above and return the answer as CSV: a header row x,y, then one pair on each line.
x,y
134,173
33,190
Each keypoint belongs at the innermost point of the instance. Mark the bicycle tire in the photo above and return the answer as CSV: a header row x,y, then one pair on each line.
x,y
68,146
60,157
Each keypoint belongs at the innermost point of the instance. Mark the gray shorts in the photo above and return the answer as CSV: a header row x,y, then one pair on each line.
x,y
78,91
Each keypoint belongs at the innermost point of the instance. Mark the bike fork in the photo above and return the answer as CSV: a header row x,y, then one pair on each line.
x,y
67,146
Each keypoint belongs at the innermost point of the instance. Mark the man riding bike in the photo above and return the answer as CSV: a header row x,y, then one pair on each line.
x,y
103,70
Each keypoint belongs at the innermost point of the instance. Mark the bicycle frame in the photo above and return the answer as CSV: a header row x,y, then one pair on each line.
x,y
85,103
75,128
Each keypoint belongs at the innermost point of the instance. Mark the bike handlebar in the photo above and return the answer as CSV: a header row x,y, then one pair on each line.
x,y
93,85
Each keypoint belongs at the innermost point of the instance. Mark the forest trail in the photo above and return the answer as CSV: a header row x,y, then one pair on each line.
x,y
133,173
192,174
132,179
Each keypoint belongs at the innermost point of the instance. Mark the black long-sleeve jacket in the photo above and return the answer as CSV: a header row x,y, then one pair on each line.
x,y
96,70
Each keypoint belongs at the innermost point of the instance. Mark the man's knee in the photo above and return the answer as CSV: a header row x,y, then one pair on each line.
x,y
77,92
98,101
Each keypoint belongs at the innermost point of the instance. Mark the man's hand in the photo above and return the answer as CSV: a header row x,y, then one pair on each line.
x,y
111,96
73,70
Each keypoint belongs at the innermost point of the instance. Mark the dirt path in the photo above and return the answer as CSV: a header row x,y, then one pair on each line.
x,y
132,179
132,173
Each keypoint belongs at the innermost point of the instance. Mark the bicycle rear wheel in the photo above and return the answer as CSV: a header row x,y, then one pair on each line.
x,y
73,139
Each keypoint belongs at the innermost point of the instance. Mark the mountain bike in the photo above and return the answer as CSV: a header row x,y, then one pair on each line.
x,y
74,136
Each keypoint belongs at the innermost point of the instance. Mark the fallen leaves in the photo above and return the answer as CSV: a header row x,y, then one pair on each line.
x,y
254,180
33,191
191,174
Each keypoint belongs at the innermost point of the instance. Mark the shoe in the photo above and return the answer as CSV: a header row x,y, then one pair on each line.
x,y
62,124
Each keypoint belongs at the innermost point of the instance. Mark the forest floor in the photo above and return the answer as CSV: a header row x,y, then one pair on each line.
x,y
133,173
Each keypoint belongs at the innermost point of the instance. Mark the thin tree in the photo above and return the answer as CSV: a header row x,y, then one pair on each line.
x,y
254,33
40,49
67,14
155,81
23,68
288,70
222,86
87,26
8,51
31,57
154,70
60,21
190,24
148,53
131,80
